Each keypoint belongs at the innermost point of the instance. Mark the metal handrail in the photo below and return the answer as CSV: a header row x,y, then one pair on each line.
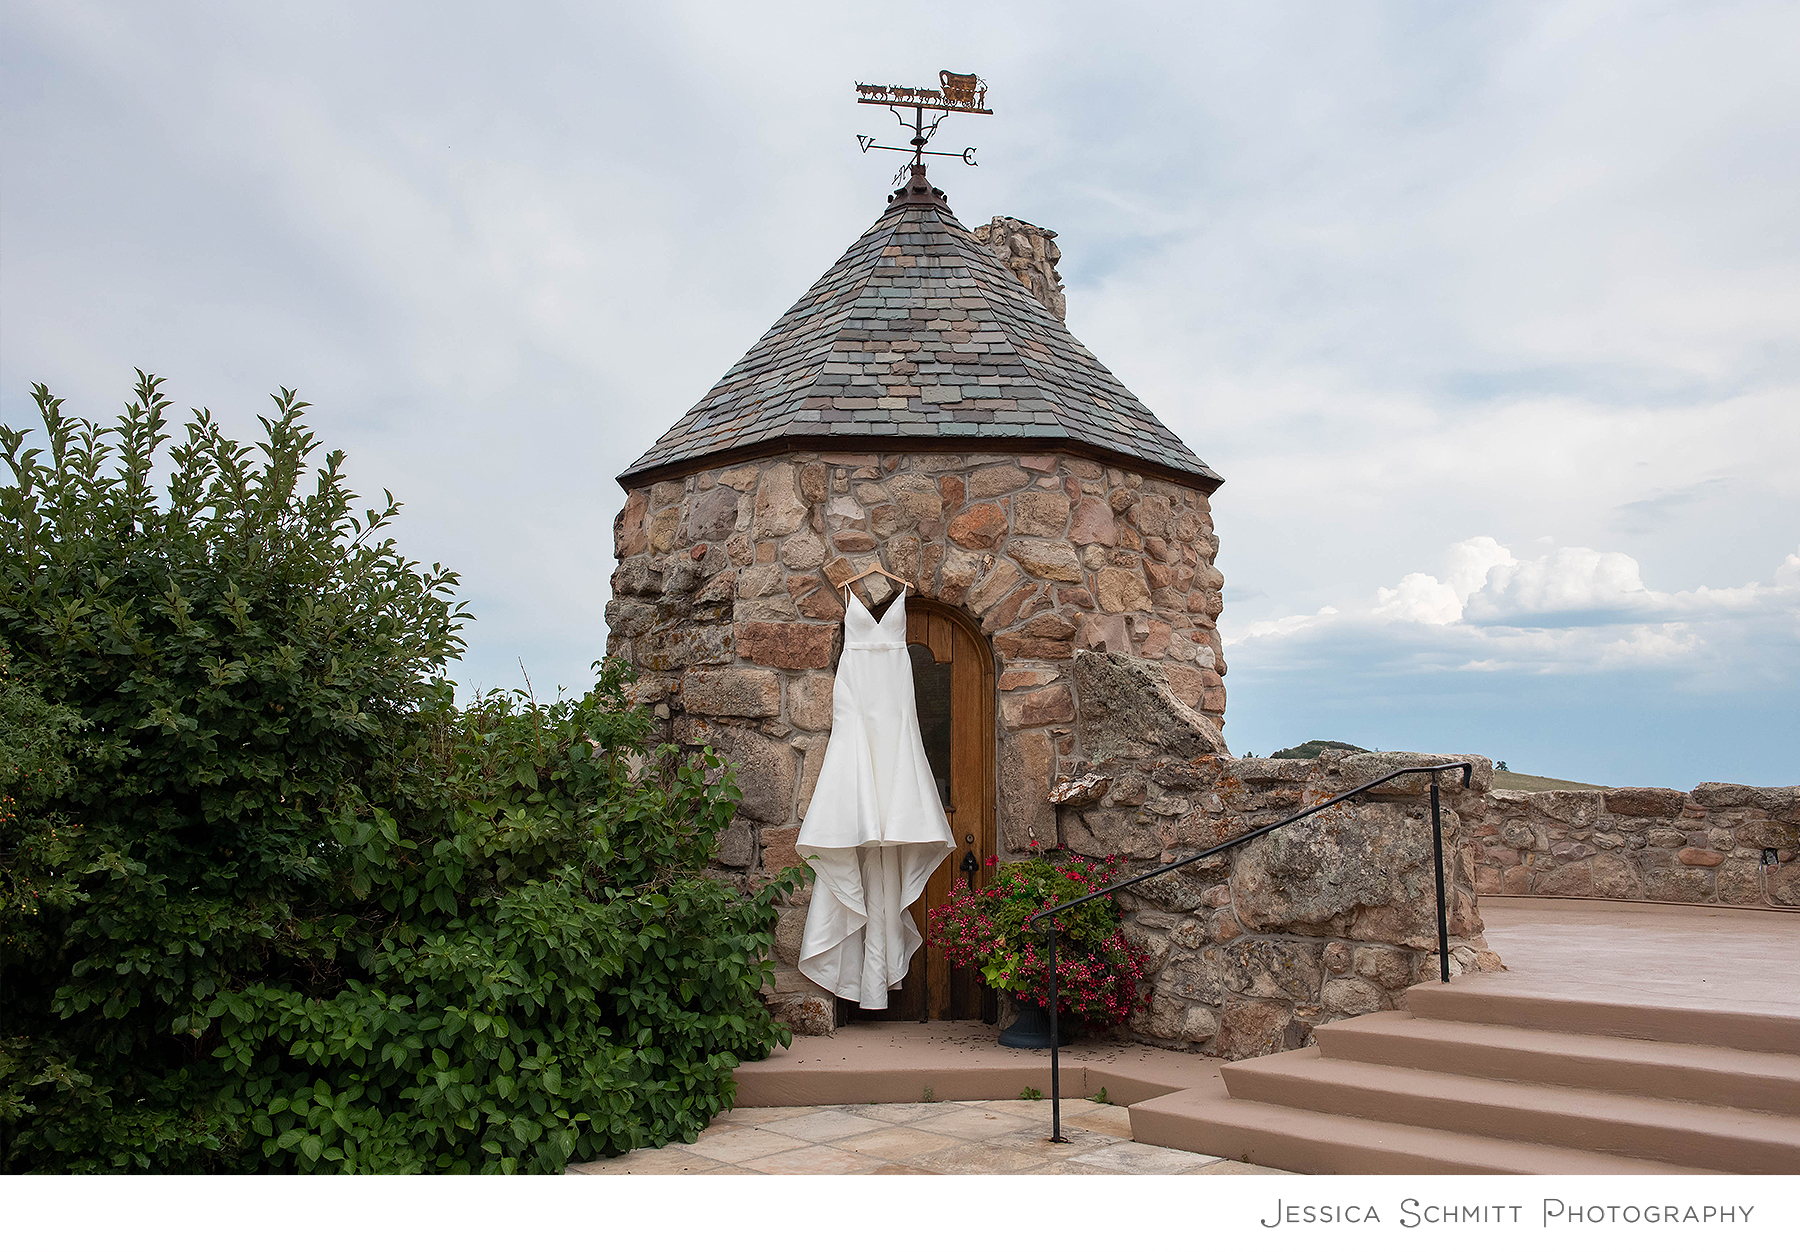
x,y
1443,918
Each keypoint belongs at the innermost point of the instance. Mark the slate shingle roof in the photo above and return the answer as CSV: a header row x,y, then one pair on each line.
x,y
919,334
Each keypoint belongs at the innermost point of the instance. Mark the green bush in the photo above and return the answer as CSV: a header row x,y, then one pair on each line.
x,y
271,900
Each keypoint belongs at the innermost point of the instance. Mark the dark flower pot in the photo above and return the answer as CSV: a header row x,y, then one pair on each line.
x,y
1031,1029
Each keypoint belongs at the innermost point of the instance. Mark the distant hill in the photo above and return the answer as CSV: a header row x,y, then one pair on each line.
x,y
1309,751
1506,780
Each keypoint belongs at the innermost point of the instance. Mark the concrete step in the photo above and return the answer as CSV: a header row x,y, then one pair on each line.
x,y
1493,999
1768,1082
1675,1131
1206,1119
901,1062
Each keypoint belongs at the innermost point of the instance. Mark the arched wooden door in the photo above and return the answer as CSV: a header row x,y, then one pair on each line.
x,y
953,682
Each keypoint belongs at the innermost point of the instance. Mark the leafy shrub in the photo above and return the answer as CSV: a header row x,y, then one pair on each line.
x,y
271,900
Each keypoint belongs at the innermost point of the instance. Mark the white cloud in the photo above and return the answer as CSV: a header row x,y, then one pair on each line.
x,y
1439,601
1571,610
1287,625
1470,564
1567,587
1708,688
1420,598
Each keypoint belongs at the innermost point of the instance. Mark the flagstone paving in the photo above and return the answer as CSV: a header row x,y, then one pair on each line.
x,y
961,1137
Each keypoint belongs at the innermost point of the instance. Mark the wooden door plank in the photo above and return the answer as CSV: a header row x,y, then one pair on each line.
x,y
941,638
971,732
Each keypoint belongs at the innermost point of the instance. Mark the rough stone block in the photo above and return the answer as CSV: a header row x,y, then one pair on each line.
x,y
1409,922
778,851
663,528
1273,969
1576,879
1352,997
790,927
1047,558
979,526
629,535
1361,768
1026,763
1129,711
1574,809
1121,591
992,589
961,570
1644,801
1042,513
1687,885
805,551
1771,800
1768,835
1253,1028
1391,968
1091,522
1783,883
786,645
713,514
821,603
1195,976
731,692
997,480
809,700
738,844
810,1014
1045,706
1342,862
779,508
812,759
1266,769
766,769
1615,877
638,576
682,645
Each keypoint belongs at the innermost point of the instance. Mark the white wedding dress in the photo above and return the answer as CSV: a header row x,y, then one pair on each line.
x,y
875,828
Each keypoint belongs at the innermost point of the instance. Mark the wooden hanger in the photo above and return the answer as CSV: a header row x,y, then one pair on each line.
x,y
875,568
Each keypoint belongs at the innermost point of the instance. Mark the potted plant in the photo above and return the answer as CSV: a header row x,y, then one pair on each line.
x,y
1097,968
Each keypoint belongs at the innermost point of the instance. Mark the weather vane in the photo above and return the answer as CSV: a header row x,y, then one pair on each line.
x,y
957,93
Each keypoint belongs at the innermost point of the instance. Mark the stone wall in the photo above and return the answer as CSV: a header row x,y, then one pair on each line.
x,y
1707,846
723,600
1030,252
1332,917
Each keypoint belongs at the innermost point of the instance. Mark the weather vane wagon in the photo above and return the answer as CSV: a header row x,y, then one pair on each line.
x,y
956,93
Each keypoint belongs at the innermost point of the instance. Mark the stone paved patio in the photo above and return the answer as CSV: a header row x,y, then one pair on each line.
x,y
961,1137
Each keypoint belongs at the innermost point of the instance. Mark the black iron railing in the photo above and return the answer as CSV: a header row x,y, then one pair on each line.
x,y
1443,917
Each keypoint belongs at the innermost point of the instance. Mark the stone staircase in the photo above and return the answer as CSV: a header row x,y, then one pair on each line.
x,y
1489,1074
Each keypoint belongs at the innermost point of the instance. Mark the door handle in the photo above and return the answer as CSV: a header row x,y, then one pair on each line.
x,y
969,867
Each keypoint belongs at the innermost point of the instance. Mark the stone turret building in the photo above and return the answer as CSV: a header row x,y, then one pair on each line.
x,y
922,407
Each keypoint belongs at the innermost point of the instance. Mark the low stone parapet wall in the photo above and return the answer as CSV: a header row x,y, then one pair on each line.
x,y
1721,843
1331,917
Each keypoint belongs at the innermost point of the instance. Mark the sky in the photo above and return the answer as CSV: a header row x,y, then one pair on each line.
x,y
1489,315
